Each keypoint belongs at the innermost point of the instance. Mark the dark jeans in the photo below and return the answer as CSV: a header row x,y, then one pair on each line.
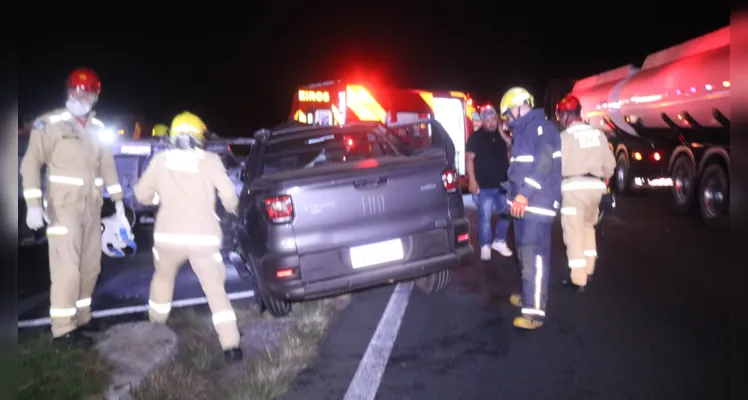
x,y
485,201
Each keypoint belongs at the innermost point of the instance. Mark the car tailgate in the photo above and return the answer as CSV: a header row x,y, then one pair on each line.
x,y
368,201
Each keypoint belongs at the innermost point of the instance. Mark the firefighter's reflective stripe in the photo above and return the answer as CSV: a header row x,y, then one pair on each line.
x,y
586,184
590,253
536,210
533,183
114,189
98,182
536,309
156,199
522,159
62,312
66,180
577,263
223,316
556,154
29,194
568,211
57,230
540,130
83,303
161,308
187,240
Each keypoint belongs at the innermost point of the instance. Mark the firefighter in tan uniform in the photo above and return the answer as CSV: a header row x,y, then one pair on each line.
x,y
586,165
78,164
184,180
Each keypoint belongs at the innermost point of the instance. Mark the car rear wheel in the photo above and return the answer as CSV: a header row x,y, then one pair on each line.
x,y
276,307
435,282
714,196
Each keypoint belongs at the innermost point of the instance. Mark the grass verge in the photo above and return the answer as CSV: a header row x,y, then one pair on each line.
x,y
47,371
277,351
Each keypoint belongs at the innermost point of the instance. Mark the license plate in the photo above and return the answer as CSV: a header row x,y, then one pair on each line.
x,y
376,253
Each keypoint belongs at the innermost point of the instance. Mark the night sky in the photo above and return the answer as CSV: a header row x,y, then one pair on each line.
x,y
239,68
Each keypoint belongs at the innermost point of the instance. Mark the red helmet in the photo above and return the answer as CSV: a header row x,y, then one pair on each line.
x,y
568,104
84,80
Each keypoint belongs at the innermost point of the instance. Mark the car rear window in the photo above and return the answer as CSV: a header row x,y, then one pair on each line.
x,y
325,148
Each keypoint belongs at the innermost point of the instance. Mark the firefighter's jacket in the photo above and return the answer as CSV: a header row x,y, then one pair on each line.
x,y
535,165
185,183
587,158
78,163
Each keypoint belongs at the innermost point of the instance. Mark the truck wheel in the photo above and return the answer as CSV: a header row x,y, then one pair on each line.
x,y
684,184
622,174
435,282
714,196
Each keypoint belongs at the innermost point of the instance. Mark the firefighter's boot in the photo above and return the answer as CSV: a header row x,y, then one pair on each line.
x,y
527,322
516,300
567,283
233,355
74,339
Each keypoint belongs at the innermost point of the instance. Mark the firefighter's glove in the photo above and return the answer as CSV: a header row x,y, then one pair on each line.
x,y
519,206
119,206
35,218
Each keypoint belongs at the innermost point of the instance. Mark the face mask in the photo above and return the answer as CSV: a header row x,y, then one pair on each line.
x,y
77,107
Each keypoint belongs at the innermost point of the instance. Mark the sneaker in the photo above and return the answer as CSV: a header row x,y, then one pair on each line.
x,y
502,248
485,253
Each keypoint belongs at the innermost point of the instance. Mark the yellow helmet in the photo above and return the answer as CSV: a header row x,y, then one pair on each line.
x,y
190,124
513,97
159,130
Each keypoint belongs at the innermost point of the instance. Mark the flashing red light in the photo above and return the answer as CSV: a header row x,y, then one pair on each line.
x,y
350,142
657,156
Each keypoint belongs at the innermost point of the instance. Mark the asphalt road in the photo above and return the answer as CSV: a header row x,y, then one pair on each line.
x,y
650,326
122,282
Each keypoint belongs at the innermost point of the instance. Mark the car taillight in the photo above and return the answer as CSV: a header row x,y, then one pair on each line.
x,y
449,179
279,208
657,156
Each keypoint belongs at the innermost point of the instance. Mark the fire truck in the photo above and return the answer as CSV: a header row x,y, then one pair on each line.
x,y
337,103
668,122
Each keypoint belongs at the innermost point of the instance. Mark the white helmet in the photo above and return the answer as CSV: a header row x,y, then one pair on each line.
x,y
116,240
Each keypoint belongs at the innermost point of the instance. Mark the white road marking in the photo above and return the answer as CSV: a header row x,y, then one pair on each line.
x,y
366,381
134,309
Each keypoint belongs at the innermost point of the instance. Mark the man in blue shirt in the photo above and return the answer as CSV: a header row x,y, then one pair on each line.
x,y
534,196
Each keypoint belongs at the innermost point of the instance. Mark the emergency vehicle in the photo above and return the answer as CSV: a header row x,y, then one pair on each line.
x,y
668,122
337,103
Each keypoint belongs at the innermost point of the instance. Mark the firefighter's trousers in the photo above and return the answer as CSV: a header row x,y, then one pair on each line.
x,y
211,272
533,242
578,218
74,238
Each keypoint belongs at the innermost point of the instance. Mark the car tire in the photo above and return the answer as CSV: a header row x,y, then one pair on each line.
x,y
621,177
277,308
684,184
714,196
434,283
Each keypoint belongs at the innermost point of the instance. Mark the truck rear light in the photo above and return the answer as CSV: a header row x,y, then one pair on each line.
x,y
463,238
637,156
449,179
657,156
279,208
